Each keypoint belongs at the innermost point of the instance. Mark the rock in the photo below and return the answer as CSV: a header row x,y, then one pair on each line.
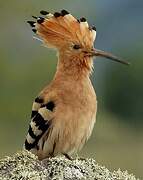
x,y
26,166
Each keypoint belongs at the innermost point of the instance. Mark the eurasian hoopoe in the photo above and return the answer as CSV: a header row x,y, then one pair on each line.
x,y
64,113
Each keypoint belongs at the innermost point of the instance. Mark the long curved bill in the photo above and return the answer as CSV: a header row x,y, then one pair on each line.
x,y
97,52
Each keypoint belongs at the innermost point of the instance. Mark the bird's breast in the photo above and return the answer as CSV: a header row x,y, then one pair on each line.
x,y
77,115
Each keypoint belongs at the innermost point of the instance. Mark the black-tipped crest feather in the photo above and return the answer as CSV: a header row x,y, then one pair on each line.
x,y
44,12
32,23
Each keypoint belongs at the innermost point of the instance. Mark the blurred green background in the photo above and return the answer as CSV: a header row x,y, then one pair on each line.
x,y
26,67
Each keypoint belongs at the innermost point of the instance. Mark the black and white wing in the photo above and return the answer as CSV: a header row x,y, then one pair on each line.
x,y
41,120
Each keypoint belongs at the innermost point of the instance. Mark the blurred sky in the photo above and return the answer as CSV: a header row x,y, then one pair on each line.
x,y
26,67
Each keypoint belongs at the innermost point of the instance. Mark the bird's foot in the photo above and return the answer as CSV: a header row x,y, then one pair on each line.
x,y
68,156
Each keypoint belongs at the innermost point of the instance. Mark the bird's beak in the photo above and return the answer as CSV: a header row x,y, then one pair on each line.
x,y
100,53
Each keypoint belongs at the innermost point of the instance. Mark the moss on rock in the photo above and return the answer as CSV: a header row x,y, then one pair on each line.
x,y
25,165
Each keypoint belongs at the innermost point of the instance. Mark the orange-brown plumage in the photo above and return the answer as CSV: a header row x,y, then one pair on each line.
x,y
64,113
63,30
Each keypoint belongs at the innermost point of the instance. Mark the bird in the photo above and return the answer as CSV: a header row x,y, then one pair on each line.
x,y
64,112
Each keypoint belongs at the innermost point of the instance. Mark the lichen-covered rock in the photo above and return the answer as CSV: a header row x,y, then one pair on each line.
x,y
24,166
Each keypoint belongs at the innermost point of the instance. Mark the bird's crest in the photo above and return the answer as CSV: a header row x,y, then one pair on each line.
x,y
59,29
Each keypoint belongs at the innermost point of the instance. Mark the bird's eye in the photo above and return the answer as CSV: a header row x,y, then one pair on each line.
x,y
76,46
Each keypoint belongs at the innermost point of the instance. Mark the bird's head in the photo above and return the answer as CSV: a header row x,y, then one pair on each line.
x,y
70,36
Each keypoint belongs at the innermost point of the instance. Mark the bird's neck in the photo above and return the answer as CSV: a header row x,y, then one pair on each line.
x,y
74,68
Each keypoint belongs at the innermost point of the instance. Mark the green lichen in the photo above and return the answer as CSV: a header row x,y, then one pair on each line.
x,y
26,166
